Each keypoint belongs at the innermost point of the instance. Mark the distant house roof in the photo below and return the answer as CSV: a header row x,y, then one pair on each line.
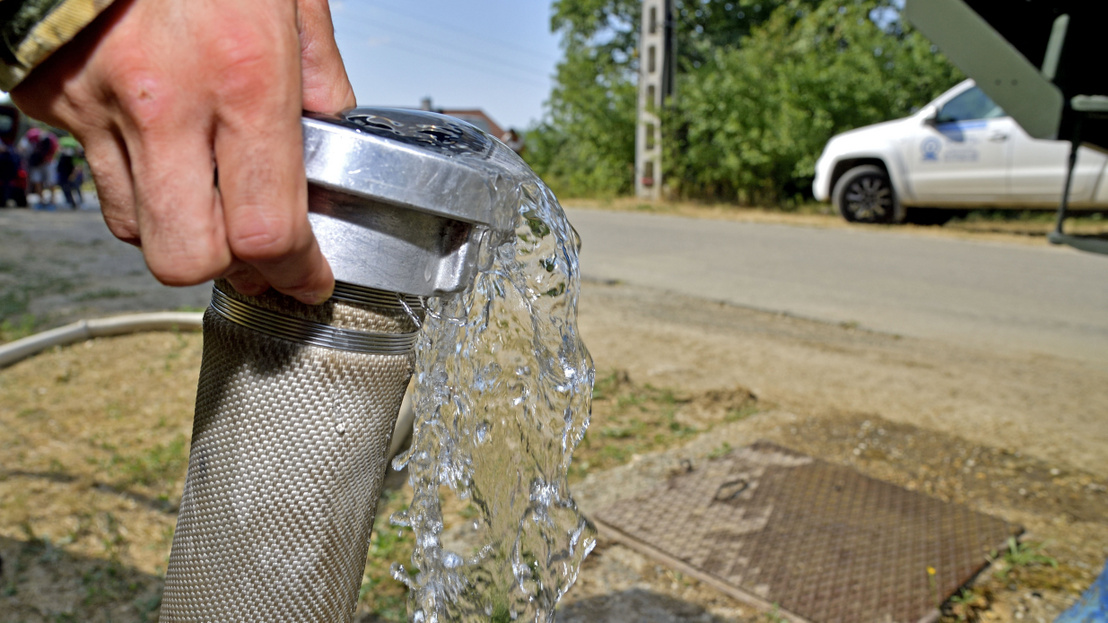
x,y
475,116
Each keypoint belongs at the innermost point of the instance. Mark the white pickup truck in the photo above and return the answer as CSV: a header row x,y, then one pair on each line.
x,y
960,151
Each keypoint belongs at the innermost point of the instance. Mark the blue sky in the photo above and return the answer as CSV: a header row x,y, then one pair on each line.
x,y
498,55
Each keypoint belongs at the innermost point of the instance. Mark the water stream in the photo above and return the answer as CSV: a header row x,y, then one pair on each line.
x,y
503,384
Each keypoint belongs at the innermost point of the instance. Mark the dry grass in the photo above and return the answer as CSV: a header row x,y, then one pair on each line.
x,y
93,457
94,446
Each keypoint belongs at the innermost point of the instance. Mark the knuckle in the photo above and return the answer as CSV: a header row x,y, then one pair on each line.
x,y
245,66
264,241
143,95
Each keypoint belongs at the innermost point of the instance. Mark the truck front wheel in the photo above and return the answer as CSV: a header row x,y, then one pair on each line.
x,y
864,194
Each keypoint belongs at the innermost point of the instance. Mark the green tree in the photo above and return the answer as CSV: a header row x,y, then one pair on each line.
x,y
586,143
750,122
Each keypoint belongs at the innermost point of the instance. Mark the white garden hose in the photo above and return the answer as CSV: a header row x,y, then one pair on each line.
x,y
82,330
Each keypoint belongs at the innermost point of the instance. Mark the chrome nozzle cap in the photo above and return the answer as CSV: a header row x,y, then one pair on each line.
x,y
399,199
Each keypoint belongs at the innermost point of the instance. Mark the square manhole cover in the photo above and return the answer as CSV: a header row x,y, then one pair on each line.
x,y
820,541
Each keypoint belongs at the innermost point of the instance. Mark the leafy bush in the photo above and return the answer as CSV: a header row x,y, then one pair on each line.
x,y
749,124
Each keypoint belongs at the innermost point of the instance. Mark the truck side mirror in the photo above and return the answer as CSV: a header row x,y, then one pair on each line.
x,y
930,115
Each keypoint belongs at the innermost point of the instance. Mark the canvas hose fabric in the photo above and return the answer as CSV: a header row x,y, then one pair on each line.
x,y
289,450
30,30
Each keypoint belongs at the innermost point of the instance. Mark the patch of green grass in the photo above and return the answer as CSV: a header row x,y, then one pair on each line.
x,y
147,605
1027,554
1021,556
108,583
18,328
1043,218
111,535
1032,216
159,466
775,616
734,415
966,605
381,594
723,450
629,420
16,321
1028,567
32,414
15,300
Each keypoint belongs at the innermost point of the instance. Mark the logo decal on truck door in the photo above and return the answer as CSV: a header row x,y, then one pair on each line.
x,y
930,148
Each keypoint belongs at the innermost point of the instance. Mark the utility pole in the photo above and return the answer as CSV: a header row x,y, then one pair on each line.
x,y
656,73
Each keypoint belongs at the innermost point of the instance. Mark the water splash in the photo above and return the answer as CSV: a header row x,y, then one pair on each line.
x,y
502,399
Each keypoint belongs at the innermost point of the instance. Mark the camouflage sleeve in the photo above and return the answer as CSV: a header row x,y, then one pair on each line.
x,y
30,30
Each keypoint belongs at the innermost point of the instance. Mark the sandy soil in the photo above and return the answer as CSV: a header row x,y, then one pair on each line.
x,y
89,500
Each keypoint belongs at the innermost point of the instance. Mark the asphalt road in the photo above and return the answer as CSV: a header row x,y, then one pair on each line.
x,y
1022,298
1017,298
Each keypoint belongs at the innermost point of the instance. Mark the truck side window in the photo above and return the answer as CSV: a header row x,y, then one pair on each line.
x,y
973,104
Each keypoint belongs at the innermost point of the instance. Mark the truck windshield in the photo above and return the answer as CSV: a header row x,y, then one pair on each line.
x,y
972,104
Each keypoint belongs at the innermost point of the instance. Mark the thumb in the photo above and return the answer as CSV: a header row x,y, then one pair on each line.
x,y
326,88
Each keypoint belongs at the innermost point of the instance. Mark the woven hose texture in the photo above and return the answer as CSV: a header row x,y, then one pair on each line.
x,y
289,451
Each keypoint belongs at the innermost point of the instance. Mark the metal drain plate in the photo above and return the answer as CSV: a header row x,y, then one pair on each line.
x,y
820,542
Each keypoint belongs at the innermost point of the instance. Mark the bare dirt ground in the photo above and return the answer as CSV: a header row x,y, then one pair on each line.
x,y
93,437
951,422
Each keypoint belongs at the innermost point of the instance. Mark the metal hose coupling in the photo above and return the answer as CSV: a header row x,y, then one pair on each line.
x,y
296,403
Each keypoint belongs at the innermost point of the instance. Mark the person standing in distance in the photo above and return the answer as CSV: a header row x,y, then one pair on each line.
x,y
165,93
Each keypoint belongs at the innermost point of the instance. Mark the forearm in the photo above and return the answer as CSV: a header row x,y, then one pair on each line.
x,y
30,30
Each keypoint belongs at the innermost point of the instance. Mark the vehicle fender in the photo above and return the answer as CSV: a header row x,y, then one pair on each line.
x,y
886,159
1100,195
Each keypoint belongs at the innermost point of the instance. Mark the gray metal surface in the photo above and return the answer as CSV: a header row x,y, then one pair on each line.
x,y
823,542
289,449
400,199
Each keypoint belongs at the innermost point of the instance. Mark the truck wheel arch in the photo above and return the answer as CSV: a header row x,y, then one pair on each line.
x,y
870,177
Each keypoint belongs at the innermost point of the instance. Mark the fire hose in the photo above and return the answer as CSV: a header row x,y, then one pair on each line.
x,y
296,404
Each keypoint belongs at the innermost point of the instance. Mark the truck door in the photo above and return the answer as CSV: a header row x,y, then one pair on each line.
x,y
1039,171
962,154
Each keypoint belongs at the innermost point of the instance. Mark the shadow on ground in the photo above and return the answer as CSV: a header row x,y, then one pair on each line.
x,y
634,605
42,582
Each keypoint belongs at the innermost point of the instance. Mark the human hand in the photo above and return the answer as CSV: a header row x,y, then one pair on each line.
x,y
162,93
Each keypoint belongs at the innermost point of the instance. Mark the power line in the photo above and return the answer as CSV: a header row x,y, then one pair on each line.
x,y
450,54
460,63
482,36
